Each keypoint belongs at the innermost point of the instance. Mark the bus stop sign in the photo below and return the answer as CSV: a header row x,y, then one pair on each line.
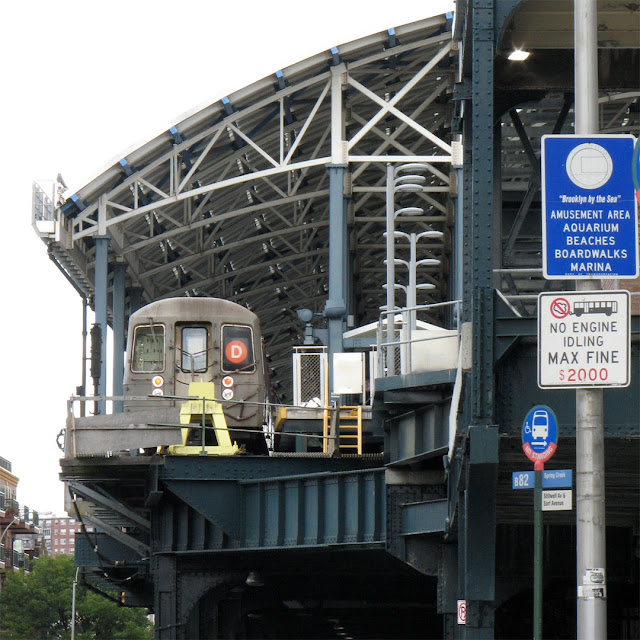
x,y
540,434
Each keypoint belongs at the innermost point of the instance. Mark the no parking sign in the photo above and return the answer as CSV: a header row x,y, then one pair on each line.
x,y
462,612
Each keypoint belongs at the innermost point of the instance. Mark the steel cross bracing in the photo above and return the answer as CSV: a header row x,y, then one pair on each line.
x,y
233,201
537,98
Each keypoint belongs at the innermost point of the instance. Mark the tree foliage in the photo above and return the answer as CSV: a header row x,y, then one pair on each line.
x,y
37,605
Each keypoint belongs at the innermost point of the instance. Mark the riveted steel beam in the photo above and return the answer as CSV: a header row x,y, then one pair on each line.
x,y
104,551
421,518
110,503
118,534
477,508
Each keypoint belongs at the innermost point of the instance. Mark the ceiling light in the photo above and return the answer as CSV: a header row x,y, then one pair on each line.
x,y
254,579
519,55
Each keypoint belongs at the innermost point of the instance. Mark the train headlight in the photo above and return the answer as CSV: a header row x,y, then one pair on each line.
x,y
227,394
157,392
157,381
227,382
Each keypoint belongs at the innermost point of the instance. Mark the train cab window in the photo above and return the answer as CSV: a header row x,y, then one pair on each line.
x,y
194,349
148,348
237,349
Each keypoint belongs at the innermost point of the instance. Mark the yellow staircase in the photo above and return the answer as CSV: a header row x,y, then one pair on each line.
x,y
349,425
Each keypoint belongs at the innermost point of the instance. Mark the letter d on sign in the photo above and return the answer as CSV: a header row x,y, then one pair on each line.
x,y
236,351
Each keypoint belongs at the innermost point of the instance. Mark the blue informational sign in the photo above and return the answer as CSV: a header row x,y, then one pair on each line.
x,y
540,434
522,479
589,226
557,478
554,479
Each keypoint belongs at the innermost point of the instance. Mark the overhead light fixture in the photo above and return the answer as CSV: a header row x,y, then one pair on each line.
x,y
254,579
519,55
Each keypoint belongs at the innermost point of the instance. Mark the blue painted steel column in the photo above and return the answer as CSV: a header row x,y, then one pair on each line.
x,y
336,309
165,595
118,332
135,299
482,190
482,454
101,285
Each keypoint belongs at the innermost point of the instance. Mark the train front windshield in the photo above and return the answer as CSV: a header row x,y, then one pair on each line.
x,y
194,349
148,349
237,349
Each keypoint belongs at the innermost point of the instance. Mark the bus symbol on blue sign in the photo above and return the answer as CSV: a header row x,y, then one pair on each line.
x,y
539,434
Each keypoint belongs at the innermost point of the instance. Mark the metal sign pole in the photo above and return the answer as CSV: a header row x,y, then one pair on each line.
x,y
590,513
537,551
539,443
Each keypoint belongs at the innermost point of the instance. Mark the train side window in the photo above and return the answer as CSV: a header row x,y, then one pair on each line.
x,y
194,349
237,348
148,348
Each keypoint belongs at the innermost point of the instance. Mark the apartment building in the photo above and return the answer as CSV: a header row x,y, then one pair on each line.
x,y
59,534
21,541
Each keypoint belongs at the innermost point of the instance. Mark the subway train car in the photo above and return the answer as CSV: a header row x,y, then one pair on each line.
x,y
175,341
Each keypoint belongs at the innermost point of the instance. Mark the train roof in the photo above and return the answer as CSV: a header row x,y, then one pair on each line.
x,y
193,308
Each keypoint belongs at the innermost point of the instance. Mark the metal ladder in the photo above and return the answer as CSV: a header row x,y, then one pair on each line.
x,y
349,424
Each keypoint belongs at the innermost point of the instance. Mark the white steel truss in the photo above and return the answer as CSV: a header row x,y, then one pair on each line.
x,y
233,201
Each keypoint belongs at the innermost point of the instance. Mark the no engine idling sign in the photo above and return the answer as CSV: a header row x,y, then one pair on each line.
x,y
583,340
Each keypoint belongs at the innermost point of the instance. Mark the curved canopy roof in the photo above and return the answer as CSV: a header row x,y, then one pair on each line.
x,y
232,201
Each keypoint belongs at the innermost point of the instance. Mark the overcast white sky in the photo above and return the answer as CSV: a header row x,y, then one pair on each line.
x,y
82,83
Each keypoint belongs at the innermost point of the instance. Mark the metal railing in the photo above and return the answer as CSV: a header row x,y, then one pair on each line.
x,y
314,412
397,338
11,506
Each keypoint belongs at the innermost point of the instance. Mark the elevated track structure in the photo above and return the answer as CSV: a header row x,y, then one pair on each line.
x,y
394,176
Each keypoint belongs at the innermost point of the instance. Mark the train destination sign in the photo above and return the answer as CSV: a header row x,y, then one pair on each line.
x,y
589,226
583,340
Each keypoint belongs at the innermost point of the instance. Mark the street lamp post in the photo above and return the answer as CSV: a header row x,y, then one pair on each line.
x,y
4,533
15,519
73,605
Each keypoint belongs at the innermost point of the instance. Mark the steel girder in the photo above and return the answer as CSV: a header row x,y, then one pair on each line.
x,y
473,474
311,510
213,521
